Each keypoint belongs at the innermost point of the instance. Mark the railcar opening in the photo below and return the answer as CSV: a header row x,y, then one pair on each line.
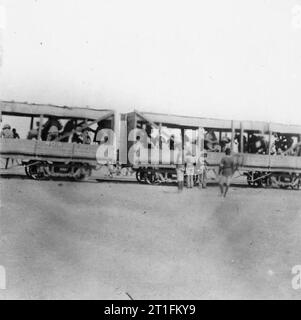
x,y
263,151
56,141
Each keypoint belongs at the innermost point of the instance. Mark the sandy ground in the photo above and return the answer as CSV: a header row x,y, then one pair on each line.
x,y
70,240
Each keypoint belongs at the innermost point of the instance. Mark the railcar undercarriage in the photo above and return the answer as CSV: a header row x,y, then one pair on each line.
x,y
255,179
155,175
40,170
286,180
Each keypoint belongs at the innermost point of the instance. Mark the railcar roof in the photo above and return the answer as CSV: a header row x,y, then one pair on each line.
x,y
30,109
218,124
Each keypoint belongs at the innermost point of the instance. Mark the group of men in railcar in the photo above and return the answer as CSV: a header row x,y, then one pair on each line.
x,y
257,144
73,131
8,133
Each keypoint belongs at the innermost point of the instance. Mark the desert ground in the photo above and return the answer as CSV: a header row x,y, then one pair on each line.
x,y
116,240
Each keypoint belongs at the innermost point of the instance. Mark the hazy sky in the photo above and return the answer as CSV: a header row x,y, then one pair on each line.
x,y
225,59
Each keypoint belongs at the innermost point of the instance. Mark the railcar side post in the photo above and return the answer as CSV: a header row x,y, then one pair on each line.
x,y
31,123
160,143
232,134
270,143
200,145
123,139
131,124
116,129
241,137
183,143
40,127
270,139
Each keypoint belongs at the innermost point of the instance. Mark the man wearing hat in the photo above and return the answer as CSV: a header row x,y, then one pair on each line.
x,y
6,133
200,170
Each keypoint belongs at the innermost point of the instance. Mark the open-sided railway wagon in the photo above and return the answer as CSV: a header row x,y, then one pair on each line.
x,y
158,160
44,159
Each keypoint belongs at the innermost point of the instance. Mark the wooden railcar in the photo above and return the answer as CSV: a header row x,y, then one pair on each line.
x,y
260,169
55,158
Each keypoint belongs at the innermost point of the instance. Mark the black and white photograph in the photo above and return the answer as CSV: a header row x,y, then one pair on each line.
x,y
150,150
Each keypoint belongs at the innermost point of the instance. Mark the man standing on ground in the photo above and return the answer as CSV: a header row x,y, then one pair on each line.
x,y
226,171
190,161
6,133
200,170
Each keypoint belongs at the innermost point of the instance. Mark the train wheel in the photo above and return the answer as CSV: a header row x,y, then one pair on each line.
x,y
158,178
82,173
297,186
47,171
143,176
266,180
253,179
150,177
124,172
264,183
250,183
35,171
27,172
140,176
79,175
250,179
258,180
285,181
296,182
146,176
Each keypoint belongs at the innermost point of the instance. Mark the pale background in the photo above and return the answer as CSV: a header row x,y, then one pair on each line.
x,y
224,59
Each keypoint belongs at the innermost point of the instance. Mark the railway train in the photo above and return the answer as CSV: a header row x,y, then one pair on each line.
x,y
151,144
